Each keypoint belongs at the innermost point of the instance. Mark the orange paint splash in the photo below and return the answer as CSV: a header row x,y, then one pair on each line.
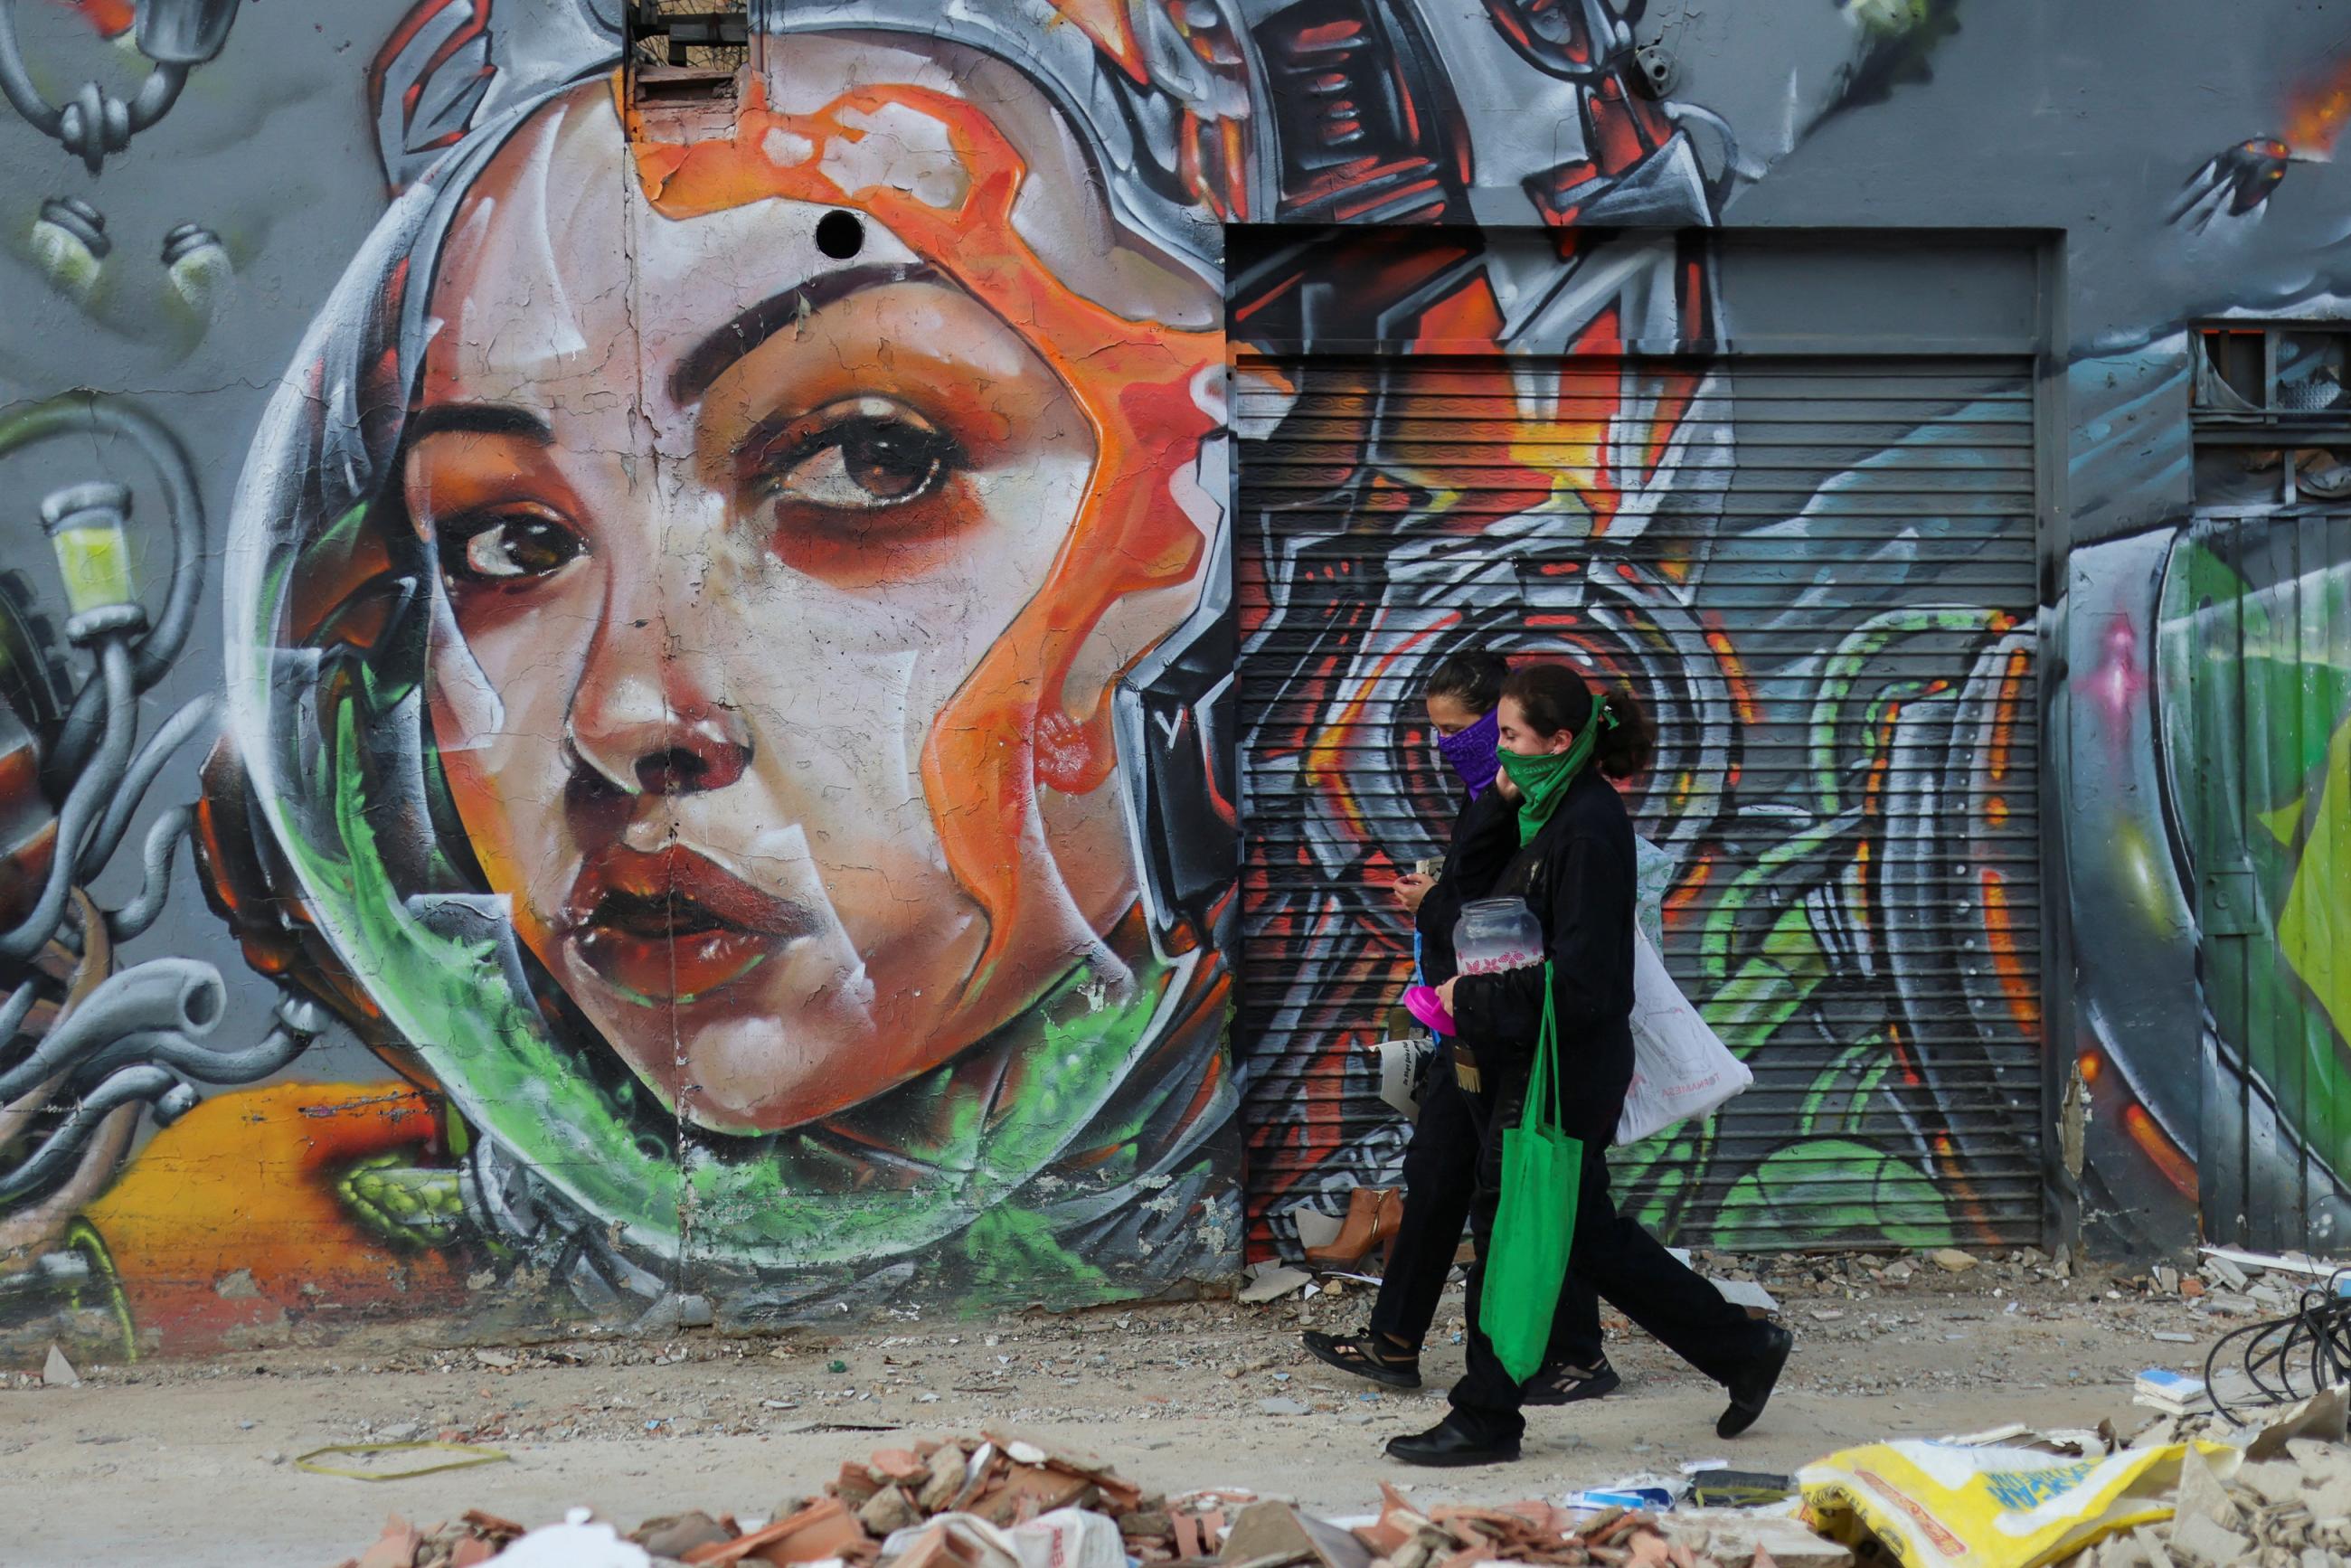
x,y
2004,715
1007,727
2164,1154
1734,675
108,18
1680,901
1105,21
2023,1001
2316,111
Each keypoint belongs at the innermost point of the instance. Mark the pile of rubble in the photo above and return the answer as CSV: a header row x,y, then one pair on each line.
x,y
2285,1504
1003,1501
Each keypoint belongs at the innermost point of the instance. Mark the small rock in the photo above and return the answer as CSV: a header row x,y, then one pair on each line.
x,y
500,1359
945,1479
888,1511
59,1373
400,1432
1282,1407
1951,1261
1899,1270
675,1535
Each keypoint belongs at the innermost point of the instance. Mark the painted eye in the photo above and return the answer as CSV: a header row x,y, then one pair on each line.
x,y
862,457
508,549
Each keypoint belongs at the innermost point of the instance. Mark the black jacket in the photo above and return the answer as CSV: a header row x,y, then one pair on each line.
x,y
1485,838
1579,877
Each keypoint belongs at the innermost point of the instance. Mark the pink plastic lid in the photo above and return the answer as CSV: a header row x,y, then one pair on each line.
x,y
1421,1002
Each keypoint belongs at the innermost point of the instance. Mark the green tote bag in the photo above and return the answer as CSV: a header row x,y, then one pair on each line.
x,y
1542,1172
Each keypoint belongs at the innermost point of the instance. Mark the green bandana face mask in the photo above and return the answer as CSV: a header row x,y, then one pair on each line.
x,y
1542,778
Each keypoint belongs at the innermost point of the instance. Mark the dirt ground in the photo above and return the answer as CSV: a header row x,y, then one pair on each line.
x,y
190,1463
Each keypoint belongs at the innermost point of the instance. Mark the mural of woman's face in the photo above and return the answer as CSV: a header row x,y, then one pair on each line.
x,y
697,620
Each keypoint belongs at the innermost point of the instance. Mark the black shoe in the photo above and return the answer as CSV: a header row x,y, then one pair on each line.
x,y
1447,1446
1364,1356
1752,1389
1565,1385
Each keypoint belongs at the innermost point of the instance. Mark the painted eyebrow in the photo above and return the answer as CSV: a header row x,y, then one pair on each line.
x,y
481,419
709,359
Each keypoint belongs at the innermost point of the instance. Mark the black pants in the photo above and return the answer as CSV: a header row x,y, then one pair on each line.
x,y
1440,1179
1628,1266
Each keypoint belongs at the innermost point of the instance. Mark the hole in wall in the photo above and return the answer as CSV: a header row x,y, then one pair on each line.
x,y
840,234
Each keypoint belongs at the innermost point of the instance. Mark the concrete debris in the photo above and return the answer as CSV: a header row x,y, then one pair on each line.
x,y
1002,1501
2202,1494
2221,1271
674,1536
1952,1261
2287,1503
1747,1293
1458,1536
1742,1535
1276,1529
2299,1265
480,1538
2325,1416
1270,1282
2197,1540
59,1373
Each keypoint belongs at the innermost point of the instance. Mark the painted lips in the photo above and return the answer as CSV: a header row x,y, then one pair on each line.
x,y
671,925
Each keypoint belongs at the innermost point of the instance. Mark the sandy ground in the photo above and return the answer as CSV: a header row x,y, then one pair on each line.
x,y
188,1464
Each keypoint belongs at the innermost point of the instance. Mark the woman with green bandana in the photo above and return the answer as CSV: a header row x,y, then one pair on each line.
x,y
1559,743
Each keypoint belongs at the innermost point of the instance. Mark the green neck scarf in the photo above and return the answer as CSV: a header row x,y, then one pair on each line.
x,y
1542,778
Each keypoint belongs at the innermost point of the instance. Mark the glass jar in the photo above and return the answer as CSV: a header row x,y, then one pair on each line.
x,y
1496,934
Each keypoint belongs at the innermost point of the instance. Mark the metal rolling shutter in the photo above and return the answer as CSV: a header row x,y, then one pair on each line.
x,y
1821,574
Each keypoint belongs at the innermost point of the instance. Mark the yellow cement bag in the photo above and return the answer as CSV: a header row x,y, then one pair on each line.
x,y
1948,1503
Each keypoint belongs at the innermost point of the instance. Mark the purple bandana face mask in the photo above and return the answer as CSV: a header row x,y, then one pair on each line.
x,y
1470,753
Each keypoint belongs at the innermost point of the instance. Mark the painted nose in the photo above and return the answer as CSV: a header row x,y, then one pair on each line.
x,y
648,721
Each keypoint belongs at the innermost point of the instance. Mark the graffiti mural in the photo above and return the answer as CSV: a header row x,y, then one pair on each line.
x,y
1829,772
765,661
712,695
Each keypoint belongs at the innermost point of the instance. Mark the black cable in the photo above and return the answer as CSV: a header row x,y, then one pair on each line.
x,y
2288,1359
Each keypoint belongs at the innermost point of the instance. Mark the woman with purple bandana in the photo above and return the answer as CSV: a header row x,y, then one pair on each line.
x,y
1440,1163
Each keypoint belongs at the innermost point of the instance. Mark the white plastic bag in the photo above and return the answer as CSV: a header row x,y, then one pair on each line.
x,y
1404,1064
1065,1538
1680,1069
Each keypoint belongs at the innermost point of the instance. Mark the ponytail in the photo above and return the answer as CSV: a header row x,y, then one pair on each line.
x,y
1626,749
